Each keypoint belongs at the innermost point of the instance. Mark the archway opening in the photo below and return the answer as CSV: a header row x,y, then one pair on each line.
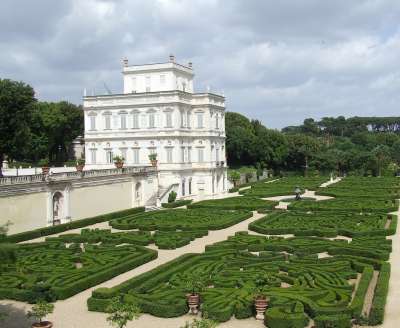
x,y
58,208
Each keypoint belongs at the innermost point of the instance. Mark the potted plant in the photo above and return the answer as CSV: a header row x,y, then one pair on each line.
x,y
80,164
193,286
118,161
44,163
40,310
153,159
121,312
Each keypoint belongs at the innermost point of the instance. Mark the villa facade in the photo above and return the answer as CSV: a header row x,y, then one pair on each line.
x,y
159,113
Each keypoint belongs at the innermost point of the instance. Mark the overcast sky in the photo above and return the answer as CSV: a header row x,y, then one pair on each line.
x,y
276,61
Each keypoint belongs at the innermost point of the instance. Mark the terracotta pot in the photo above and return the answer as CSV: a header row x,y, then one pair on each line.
x,y
193,302
45,170
119,165
43,324
80,167
261,305
154,162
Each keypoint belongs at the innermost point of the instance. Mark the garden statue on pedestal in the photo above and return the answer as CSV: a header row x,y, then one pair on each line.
x,y
297,192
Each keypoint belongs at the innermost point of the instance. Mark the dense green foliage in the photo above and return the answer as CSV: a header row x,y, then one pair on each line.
x,y
326,224
31,130
234,275
177,203
357,145
182,219
283,186
235,203
50,270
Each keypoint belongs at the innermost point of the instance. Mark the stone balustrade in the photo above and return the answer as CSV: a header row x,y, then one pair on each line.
x,y
37,178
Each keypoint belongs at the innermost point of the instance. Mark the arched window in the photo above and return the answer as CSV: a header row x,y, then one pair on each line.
x,y
190,186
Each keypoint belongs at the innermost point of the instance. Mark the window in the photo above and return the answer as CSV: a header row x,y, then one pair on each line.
x,y
107,121
162,79
92,119
200,155
189,154
134,85
217,154
135,120
135,155
183,187
216,121
188,119
123,120
183,154
212,153
109,156
168,119
183,86
169,154
93,156
151,120
148,82
199,120
190,186
123,153
182,119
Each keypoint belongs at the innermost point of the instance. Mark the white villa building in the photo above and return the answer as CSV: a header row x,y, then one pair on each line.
x,y
159,112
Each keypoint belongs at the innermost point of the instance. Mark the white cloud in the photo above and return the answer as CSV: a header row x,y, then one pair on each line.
x,y
276,61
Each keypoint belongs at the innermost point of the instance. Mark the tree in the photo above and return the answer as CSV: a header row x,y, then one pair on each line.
x,y
382,157
122,312
40,310
234,176
16,100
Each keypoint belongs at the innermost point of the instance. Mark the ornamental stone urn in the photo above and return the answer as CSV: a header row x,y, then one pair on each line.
x,y
43,324
261,304
193,302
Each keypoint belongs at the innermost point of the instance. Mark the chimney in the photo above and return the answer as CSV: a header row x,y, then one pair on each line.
x,y
190,64
172,58
125,62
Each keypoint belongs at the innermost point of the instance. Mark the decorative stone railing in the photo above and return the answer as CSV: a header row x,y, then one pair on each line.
x,y
74,175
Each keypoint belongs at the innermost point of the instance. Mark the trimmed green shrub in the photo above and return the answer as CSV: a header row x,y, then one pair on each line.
x,y
177,203
380,295
235,203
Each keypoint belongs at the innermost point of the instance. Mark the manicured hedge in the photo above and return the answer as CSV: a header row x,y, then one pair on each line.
x,y
49,269
41,232
318,288
181,219
177,203
325,224
235,203
380,295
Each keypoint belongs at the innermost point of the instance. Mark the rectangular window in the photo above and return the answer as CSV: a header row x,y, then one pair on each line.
x,y
151,120
169,154
216,121
148,84
217,154
188,119
168,119
189,154
92,122
135,120
135,155
183,154
109,156
123,153
123,121
190,186
93,156
162,79
107,119
199,120
183,188
200,155
134,85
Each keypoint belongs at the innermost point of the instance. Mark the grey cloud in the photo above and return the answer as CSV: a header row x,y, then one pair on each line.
x,y
278,61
